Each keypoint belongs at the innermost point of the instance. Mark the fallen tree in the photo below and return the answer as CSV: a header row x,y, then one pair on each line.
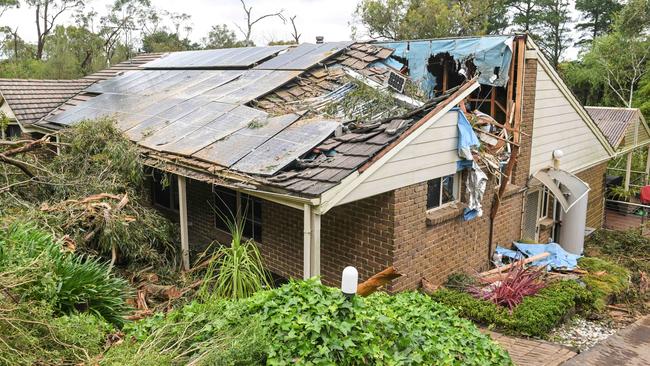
x,y
92,193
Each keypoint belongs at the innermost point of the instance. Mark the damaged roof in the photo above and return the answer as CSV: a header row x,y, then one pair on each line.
x,y
31,100
258,115
615,121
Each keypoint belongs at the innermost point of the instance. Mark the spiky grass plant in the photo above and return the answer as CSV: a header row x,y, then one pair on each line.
x,y
68,282
239,267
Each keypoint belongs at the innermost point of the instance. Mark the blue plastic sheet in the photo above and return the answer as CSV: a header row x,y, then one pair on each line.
x,y
466,136
558,258
491,56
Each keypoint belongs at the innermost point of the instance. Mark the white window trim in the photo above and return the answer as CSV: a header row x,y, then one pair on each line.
x,y
457,179
544,192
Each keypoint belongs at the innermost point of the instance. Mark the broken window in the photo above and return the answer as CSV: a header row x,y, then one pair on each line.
x,y
441,191
165,190
232,204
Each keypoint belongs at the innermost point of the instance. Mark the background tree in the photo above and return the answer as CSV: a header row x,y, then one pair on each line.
x,y
526,14
220,36
7,4
413,19
554,35
251,21
294,32
164,41
597,16
47,15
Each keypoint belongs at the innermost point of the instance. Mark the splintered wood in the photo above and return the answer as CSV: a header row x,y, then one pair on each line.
x,y
373,283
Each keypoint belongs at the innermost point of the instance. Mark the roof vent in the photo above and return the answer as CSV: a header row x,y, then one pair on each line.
x,y
320,39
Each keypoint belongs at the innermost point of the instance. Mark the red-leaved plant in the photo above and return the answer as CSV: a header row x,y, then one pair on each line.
x,y
511,287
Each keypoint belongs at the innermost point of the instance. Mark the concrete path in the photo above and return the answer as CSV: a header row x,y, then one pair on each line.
x,y
629,346
532,352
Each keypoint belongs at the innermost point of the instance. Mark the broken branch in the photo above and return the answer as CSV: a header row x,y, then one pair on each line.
x,y
380,279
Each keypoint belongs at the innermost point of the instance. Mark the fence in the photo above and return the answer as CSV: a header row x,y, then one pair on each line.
x,y
620,215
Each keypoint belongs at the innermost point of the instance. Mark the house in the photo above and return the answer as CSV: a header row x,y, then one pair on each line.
x,y
626,131
339,160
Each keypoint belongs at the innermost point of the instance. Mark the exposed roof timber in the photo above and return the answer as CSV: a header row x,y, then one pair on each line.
x,y
332,198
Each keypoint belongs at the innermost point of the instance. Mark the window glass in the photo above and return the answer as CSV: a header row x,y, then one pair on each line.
x,y
165,190
251,208
440,191
13,131
433,193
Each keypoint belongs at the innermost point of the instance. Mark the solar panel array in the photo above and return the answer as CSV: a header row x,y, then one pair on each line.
x,y
220,58
172,107
304,56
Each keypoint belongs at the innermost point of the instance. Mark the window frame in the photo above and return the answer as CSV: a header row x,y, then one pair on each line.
x,y
456,190
543,204
171,189
243,201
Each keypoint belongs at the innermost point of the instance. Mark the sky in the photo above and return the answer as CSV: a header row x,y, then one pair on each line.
x,y
328,18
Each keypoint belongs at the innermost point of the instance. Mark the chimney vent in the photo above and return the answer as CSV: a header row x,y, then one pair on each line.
x,y
319,39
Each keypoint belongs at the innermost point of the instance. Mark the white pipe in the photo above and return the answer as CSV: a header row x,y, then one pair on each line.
x,y
315,244
306,247
182,211
628,167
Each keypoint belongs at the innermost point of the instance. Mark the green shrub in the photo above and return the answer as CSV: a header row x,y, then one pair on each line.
x,y
605,280
534,316
31,335
239,267
308,323
212,333
627,248
69,283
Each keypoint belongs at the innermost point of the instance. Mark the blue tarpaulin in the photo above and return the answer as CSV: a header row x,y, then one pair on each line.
x,y
558,258
466,136
491,56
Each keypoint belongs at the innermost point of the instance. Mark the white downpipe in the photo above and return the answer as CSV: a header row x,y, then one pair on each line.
x,y
182,211
572,235
315,244
306,247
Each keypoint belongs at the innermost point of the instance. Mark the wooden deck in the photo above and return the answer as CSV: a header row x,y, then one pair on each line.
x,y
616,220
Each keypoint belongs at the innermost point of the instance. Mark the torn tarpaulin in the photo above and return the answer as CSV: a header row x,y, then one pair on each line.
x,y
466,136
558,258
491,56
476,179
476,185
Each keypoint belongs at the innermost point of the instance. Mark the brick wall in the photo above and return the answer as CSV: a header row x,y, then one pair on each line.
x,y
358,234
595,177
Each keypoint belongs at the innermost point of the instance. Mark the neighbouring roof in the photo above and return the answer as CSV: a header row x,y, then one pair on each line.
x,y
30,100
614,122
259,115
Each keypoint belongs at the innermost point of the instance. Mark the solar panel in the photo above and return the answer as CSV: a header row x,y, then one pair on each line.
x,y
286,146
186,124
218,128
231,149
226,57
304,56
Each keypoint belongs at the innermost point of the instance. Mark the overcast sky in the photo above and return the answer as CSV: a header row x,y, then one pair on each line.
x,y
329,18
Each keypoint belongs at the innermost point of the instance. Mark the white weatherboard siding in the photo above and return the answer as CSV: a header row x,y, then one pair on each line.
x,y
559,126
431,155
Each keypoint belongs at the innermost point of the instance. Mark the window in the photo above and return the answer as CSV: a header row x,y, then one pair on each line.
x,y
11,132
165,190
543,204
441,191
232,203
